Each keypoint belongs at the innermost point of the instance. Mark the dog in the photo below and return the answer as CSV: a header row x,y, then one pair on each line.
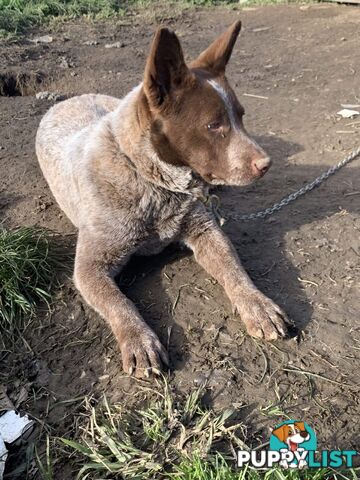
x,y
131,175
293,435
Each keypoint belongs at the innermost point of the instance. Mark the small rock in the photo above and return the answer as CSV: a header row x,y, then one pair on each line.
x,y
115,45
45,95
65,63
42,95
44,205
91,42
43,39
226,338
200,379
347,113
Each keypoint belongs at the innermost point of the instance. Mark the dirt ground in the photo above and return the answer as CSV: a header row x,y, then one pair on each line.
x,y
303,62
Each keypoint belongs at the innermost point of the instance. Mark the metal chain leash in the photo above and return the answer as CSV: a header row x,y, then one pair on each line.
x,y
293,196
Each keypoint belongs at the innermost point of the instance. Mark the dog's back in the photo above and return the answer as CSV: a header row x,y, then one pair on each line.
x,y
61,140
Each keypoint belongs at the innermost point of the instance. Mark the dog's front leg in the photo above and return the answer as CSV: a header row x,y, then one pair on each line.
x,y
215,253
95,264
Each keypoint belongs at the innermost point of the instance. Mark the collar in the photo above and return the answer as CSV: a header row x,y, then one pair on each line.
x,y
213,202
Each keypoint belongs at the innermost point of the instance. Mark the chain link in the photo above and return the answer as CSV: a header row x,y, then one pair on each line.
x,y
302,191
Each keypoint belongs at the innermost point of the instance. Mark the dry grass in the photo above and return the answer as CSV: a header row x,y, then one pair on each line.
x,y
170,439
146,443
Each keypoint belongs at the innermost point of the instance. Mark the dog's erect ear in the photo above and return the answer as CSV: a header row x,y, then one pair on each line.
x,y
165,69
280,433
300,425
217,55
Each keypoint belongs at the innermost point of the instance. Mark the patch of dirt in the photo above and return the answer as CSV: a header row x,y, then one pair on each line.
x,y
305,61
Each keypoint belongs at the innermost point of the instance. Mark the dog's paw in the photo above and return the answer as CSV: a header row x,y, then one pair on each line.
x,y
262,317
143,354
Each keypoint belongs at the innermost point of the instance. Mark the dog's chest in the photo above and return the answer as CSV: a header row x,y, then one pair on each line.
x,y
163,222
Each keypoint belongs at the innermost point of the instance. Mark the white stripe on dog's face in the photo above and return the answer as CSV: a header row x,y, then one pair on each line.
x,y
240,138
295,437
228,104
230,110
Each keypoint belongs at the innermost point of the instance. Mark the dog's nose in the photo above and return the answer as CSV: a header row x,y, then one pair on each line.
x,y
304,434
261,165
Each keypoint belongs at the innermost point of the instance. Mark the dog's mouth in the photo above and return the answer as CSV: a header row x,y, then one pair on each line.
x,y
213,179
293,446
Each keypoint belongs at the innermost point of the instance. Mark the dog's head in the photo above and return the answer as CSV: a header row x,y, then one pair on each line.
x,y
193,114
292,434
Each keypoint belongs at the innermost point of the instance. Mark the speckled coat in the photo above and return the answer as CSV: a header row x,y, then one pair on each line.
x,y
130,175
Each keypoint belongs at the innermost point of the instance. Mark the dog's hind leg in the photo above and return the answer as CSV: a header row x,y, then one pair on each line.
x,y
216,254
95,264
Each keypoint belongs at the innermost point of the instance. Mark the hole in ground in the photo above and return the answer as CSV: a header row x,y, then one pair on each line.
x,y
20,84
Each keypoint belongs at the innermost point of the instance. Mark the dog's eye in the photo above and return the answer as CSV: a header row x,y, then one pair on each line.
x,y
213,126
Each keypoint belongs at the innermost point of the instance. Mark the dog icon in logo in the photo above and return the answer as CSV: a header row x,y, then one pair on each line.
x,y
293,435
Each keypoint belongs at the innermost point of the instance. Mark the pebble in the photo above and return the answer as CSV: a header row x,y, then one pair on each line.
x,y
64,63
91,42
115,45
45,95
43,39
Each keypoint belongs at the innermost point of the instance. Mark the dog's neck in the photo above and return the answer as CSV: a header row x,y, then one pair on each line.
x,y
134,141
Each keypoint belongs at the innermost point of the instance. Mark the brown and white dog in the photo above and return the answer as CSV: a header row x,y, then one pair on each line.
x,y
293,435
130,175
